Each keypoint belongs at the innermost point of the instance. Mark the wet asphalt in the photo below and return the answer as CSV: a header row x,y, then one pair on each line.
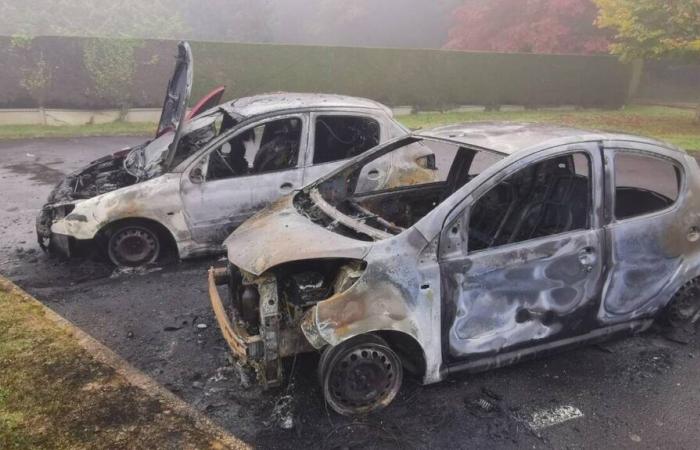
x,y
639,392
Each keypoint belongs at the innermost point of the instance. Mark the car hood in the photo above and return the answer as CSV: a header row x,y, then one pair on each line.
x,y
280,234
177,97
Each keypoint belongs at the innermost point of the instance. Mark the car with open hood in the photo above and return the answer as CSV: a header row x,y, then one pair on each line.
x,y
529,239
207,171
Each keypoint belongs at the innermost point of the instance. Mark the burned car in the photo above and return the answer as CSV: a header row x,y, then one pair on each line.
x,y
206,173
531,239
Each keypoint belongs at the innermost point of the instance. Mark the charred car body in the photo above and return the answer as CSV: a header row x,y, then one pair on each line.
x,y
531,239
206,173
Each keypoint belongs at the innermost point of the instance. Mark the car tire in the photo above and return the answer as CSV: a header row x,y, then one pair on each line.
x,y
360,375
684,307
133,245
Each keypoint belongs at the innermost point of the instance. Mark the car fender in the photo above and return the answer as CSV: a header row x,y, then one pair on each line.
x,y
157,199
385,299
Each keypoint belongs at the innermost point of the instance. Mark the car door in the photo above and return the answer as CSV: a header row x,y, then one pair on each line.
x,y
336,137
232,181
647,231
531,268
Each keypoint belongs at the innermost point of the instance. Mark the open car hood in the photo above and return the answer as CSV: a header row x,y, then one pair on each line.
x,y
280,234
177,96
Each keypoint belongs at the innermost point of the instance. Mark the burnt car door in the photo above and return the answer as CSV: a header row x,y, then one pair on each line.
x,y
255,166
530,268
646,230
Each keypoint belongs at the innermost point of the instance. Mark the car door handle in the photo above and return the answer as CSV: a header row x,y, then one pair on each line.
x,y
693,234
286,187
587,257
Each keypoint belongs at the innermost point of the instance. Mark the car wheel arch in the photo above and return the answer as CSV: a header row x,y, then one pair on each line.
x,y
164,233
409,349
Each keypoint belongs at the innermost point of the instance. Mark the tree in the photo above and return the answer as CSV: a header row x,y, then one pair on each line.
x,y
98,18
532,26
110,62
653,29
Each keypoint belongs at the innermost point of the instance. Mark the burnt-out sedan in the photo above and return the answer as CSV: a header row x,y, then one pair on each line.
x,y
207,170
532,239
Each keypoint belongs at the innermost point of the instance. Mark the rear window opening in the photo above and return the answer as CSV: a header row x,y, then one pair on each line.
x,y
644,185
343,137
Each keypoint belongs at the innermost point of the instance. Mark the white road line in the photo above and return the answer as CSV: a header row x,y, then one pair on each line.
x,y
546,418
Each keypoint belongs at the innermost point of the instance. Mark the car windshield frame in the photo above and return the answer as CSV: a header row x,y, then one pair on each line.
x,y
311,197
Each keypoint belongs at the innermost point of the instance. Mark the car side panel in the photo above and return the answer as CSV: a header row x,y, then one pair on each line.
x,y
651,256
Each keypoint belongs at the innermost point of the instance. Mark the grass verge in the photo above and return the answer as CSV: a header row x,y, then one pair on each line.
x,y
55,395
673,125
68,131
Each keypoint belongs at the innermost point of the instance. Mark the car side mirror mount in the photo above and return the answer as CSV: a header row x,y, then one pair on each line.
x,y
197,175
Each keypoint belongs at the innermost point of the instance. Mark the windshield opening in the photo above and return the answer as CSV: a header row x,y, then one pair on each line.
x,y
146,162
391,190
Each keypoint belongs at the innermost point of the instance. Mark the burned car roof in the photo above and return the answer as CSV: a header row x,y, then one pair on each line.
x,y
509,138
275,102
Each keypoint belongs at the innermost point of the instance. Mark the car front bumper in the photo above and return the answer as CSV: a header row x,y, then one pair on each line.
x,y
275,340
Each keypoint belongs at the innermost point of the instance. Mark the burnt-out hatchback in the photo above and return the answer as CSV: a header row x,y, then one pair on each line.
x,y
529,239
207,170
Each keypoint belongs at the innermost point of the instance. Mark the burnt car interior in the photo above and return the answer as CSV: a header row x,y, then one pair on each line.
x,y
392,210
546,198
268,147
342,137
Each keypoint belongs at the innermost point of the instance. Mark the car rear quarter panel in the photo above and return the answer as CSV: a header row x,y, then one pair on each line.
x,y
665,255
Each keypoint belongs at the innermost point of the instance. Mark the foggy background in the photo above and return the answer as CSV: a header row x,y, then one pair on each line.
x,y
370,23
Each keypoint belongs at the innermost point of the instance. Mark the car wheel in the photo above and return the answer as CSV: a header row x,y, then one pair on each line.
x,y
360,375
684,307
133,246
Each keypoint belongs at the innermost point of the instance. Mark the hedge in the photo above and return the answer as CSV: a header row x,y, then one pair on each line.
x,y
420,78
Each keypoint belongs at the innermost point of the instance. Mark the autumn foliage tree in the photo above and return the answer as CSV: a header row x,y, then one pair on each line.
x,y
652,29
532,26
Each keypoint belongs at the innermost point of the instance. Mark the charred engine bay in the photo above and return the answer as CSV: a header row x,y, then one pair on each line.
x,y
99,177
300,286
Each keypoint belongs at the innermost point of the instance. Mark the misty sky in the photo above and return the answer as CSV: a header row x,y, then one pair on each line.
x,y
381,23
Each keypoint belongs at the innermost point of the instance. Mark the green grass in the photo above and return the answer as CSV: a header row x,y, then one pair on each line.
x,y
673,125
54,395
67,131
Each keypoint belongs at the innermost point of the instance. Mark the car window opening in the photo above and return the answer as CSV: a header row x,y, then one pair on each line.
x,y
545,198
342,137
644,185
269,147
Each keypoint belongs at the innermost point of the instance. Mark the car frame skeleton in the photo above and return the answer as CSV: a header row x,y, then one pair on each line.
x,y
546,246
206,172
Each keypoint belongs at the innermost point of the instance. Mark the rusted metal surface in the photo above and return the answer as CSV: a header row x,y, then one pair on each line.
x,y
467,309
237,338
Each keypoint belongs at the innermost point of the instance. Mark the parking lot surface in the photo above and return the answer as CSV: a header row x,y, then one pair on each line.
x,y
639,392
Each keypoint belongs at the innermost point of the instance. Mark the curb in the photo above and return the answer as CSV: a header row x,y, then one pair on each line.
x,y
104,355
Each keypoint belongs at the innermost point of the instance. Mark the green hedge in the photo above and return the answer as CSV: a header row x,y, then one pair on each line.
x,y
420,78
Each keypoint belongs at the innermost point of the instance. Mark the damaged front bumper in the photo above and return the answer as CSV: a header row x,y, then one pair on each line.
x,y
262,350
53,243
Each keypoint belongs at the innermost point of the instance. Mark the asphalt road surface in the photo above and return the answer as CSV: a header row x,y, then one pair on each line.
x,y
640,392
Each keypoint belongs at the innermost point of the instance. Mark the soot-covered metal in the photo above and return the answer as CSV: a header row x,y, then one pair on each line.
x,y
508,241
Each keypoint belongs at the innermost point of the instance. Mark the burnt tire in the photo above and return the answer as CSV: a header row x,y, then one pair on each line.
x,y
684,307
360,375
133,245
